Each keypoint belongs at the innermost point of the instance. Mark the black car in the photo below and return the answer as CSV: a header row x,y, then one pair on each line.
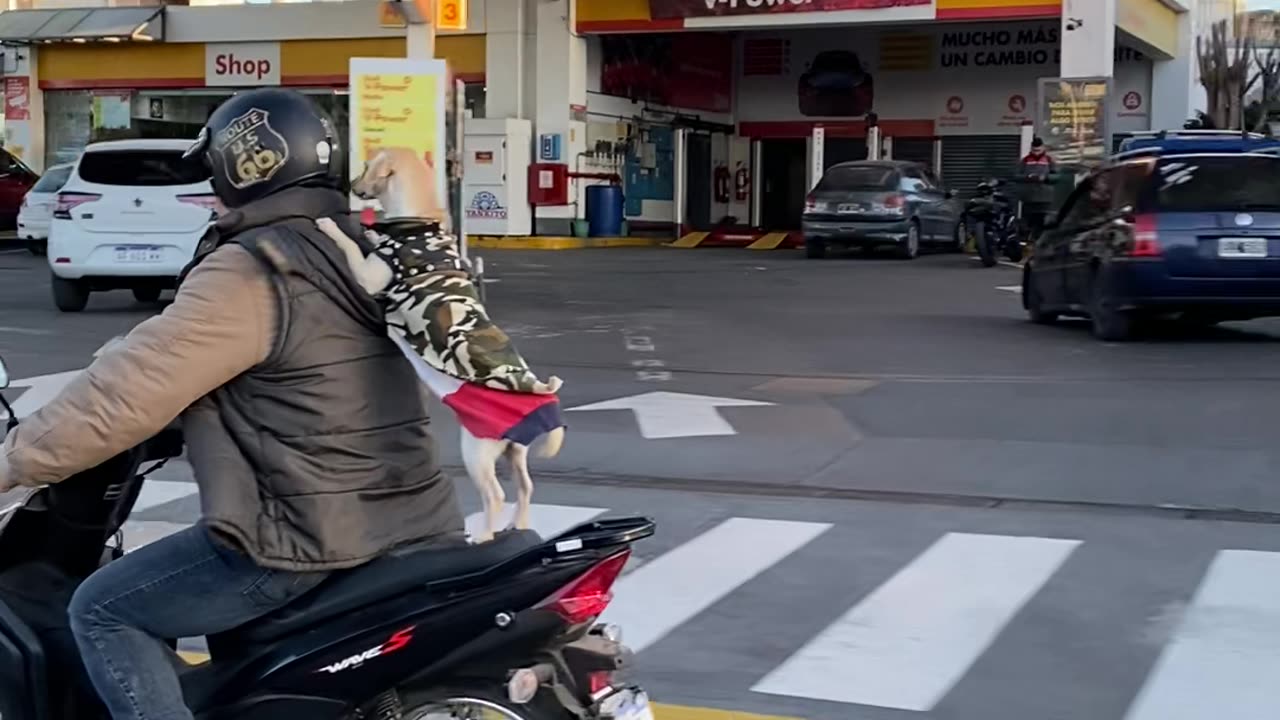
x,y
1195,234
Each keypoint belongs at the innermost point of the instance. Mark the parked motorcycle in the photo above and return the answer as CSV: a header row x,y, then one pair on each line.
x,y
445,630
991,217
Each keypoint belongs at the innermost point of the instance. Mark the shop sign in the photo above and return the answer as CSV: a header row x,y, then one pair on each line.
x,y
241,64
955,116
485,205
987,46
672,9
1072,119
17,98
1131,105
1015,113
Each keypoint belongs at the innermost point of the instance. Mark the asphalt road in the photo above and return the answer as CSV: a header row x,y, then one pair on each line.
x,y
920,440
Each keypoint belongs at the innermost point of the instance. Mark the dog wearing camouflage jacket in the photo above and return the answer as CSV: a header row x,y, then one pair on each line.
x,y
435,316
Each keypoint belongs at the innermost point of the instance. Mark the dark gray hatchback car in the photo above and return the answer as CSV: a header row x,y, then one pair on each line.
x,y
868,203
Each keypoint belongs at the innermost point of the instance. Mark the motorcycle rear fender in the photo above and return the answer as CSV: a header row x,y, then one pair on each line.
x,y
416,638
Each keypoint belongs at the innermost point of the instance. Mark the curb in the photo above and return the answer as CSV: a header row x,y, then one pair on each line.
x,y
485,242
660,711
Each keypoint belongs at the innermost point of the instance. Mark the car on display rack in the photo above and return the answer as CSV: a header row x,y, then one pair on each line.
x,y
128,218
15,180
1196,235
872,203
836,84
37,207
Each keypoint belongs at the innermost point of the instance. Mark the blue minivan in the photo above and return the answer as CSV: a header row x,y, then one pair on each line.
x,y
1164,232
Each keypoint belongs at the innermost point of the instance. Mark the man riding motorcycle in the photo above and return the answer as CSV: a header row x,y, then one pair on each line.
x,y
309,454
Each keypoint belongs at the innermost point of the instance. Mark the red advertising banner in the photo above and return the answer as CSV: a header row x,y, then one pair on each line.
x,y
17,98
673,9
684,70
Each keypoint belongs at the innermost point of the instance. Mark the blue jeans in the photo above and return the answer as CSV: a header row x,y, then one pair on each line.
x,y
185,585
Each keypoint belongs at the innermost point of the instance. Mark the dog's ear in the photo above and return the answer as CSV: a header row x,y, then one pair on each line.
x,y
372,183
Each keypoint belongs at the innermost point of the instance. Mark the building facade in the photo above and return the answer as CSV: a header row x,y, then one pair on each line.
x,y
709,112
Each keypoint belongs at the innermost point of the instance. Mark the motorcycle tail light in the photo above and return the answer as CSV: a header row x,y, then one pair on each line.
x,y
1146,241
599,681
66,202
589,594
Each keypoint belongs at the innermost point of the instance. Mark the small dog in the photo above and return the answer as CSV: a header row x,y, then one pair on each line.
x,y
434,314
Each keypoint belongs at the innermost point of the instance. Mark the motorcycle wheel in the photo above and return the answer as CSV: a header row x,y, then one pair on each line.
x,y
982,239
472,704
1013,249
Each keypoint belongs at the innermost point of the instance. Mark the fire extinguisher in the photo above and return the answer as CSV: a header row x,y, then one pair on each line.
x,y
722,184
741,183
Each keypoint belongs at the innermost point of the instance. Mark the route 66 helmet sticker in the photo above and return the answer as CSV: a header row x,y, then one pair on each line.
x,y
250,150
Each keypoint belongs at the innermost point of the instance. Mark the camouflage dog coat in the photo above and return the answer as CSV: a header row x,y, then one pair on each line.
x,y
432,303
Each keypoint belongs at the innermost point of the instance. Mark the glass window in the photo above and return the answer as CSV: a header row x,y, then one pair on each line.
x,y
913,181
53,180
1209,183
1130,180
1081,208
146,168
859,177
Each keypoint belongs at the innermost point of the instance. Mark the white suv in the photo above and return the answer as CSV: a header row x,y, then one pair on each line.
x,y
129,217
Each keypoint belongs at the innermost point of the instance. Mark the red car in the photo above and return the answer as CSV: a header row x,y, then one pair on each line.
x,y
15,180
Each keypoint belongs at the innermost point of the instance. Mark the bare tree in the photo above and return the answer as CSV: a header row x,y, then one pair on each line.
x,y
1224,59
1266,61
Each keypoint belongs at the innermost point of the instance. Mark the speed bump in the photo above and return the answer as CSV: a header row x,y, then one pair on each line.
x,y
769,241
691,240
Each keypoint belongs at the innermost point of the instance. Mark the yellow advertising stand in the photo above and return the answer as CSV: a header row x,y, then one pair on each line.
x,y
398,102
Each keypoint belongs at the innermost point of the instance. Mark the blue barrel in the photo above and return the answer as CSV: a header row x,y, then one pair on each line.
x,y
604,211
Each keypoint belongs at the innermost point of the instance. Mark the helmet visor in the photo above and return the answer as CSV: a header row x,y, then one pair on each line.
x,y
197,149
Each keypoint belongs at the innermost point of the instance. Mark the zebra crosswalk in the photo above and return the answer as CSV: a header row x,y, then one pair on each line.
x,y
916,637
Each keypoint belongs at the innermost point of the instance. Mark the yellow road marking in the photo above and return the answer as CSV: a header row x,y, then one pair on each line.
x,y
681,712
484,242
691,240
662,712
770,241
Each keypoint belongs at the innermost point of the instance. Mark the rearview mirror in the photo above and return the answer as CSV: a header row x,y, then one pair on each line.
x,y
4,375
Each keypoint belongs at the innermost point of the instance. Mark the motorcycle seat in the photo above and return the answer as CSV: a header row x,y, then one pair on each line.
x,y
348,590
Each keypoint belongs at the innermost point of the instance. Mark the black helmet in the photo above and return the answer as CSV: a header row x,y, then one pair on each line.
x,y
262,141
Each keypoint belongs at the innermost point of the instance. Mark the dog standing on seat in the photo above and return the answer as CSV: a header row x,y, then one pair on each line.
x,y
434,314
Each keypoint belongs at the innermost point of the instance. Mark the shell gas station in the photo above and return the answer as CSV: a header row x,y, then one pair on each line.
x,y
701,121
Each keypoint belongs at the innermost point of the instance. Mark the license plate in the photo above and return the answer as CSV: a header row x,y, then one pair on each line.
x,y
849,208
627,705
1242,247
139,254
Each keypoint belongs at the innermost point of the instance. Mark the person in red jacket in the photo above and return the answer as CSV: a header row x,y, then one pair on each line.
x,y
1038,167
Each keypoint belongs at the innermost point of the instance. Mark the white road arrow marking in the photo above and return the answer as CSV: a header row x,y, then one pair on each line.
x,y
671,414
107,344
1010,288
40,390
